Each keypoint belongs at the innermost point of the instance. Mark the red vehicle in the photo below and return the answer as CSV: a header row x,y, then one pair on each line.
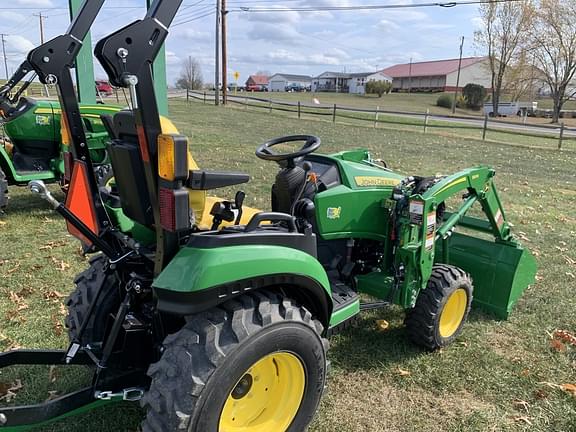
x,y
104,88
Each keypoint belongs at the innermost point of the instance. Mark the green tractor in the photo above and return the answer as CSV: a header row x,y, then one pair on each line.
x,y
34,146
225,329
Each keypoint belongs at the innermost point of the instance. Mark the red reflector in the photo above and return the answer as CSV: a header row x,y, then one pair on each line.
x,y
68,164
174,209
79,202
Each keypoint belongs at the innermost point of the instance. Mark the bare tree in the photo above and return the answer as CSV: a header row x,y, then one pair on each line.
x,y
553,39
503,33
523,79
190,75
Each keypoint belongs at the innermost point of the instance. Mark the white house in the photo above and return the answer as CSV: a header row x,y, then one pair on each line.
x,y
357,81
280,82
342,82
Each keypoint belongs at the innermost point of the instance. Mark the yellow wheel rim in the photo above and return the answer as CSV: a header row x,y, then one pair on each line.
x,y
453,312
267,397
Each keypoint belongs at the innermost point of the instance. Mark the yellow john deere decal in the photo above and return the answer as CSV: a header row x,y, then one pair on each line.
x,y
333,212
452,183
375,181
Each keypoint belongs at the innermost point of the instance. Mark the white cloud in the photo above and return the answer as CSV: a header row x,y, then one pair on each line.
x,y
35,3
195,35
387,26
286,16
19,44
274,33
477,23
12,17
172,59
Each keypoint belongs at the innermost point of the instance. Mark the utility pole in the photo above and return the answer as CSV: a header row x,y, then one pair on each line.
x,y
4,52
410,77
217,57
224,56
458,76
41,18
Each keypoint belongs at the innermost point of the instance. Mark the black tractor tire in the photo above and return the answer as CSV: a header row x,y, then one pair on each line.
x,y
87,284
3,191
423,321
103,175
204,363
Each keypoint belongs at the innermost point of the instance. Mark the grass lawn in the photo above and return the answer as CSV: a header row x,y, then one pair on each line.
x,y
490,379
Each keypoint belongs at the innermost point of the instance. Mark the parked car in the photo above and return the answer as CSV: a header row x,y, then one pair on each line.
x,y
294,88
104,88
256,88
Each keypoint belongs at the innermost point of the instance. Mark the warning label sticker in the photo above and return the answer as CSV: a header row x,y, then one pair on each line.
x,y
416,212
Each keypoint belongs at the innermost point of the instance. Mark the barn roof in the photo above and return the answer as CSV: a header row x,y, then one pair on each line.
x,y
259,79
429,68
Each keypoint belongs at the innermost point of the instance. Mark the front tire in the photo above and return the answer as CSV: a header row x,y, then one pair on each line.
x,y
441,309
257,363
3,190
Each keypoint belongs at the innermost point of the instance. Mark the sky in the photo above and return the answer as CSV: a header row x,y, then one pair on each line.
x,y
306,43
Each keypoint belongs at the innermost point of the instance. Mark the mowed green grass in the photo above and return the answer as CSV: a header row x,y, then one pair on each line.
x,y
488,380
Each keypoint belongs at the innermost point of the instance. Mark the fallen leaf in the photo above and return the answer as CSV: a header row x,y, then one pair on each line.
x,y
523,419
569,388
52,394
382,325
571,275
521,404
53,295
557,345
540,394
464,344
403,372
53,374
12,391
525,372
564,336
2,223
13,269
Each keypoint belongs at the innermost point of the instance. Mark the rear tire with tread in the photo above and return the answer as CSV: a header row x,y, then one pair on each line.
x,y
423,320
87,284
202,362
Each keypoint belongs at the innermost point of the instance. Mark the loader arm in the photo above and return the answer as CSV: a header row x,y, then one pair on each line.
x,y
501,268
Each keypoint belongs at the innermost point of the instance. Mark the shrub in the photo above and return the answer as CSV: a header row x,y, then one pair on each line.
x,y
444,101
475,95
378,87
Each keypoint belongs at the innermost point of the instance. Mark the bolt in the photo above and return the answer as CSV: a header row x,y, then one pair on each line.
x,y
46,59
122,53
3,419
82,145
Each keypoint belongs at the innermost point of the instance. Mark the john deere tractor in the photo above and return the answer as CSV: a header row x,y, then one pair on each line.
x,y
33,146
225,328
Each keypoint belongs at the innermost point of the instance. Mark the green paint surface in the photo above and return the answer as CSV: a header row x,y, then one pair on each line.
x,y
195,269
84,63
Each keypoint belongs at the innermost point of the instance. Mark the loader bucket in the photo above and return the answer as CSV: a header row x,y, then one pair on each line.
x,y
500,271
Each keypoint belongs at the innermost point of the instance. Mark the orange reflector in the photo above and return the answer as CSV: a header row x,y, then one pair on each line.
x,y
79,202
65,131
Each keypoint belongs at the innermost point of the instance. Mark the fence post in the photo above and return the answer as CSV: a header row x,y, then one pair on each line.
x,y
204,97
334,114
426,119
298,109
485,127
376,117
270,106
187,96
561,137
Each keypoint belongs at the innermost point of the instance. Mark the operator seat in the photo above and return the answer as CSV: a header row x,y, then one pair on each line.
x,y
122,126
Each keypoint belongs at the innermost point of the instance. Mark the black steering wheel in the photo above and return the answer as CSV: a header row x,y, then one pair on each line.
x,y
264,151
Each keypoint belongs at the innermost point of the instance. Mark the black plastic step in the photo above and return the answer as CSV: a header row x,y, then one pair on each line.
x,y
342,294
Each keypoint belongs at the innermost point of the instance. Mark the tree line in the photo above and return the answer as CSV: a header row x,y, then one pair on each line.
x,y
527,41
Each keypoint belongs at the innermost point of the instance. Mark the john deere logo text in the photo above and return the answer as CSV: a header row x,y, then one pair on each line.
x,y
333,212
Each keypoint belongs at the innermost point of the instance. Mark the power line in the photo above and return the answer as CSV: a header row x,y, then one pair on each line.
x,y
194,19
370,7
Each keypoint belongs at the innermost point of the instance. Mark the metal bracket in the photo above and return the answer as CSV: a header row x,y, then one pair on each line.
x,y
131,394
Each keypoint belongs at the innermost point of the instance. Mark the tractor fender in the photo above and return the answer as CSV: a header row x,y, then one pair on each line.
x,y
198,279
6,165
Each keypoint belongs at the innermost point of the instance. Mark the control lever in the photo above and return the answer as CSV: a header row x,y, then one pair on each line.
x,y
228,211
238,202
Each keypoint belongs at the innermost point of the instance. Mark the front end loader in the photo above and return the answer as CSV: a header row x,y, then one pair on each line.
x,y
35,141
225,328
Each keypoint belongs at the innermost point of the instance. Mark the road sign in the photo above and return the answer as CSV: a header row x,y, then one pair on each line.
x,y
236,75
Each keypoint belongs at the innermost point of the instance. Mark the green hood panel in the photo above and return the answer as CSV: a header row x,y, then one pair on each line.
x,y
195,269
